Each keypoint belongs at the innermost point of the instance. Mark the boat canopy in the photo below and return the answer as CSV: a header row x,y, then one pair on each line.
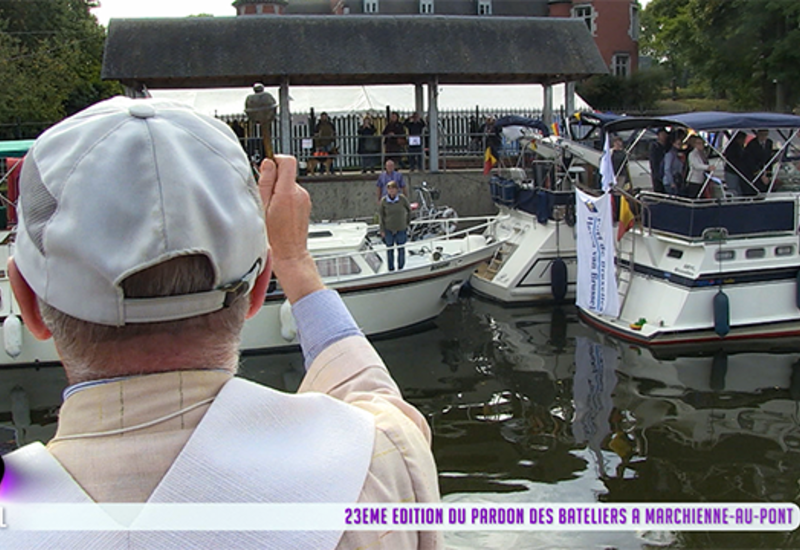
x,y
525,122
595,118
708,121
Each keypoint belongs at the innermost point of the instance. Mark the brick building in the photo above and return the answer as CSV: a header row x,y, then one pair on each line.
x,y
614,24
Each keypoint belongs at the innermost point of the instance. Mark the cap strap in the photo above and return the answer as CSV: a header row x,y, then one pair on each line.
x,y
173,308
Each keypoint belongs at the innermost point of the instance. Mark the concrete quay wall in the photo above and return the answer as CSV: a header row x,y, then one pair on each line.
x,y
345,196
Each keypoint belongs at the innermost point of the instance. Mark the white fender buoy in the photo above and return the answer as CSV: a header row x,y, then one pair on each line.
x,y
288,326
12,335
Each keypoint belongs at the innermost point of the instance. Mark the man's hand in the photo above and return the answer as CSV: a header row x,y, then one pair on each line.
x,y
288,207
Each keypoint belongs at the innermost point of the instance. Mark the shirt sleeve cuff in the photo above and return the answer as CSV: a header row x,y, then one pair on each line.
x,y
322,319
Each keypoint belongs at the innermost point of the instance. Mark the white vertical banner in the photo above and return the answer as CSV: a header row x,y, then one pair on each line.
x,y
597,283
608,178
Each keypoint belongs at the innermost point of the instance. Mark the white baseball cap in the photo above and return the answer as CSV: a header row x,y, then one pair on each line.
x,y
128,184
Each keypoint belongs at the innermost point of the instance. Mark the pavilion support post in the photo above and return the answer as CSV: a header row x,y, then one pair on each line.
x,y
433,124
419,98
569,98
285,117
547,109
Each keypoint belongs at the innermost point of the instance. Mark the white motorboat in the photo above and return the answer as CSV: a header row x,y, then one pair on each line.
x,y
350,261
537,262
696,270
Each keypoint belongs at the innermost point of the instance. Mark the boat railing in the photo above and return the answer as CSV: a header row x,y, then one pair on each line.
x,y
530,198
719,218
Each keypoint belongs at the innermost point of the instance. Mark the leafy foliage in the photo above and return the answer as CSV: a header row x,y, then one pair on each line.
x,y
50,57
639,92
746,51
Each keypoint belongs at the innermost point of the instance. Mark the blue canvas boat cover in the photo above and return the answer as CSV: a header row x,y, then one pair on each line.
x,y
708,121
516,120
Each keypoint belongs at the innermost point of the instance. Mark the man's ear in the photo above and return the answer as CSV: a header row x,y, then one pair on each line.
x,y
27,302
260,287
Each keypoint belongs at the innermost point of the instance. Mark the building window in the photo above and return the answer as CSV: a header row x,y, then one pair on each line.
x,y
370,6
426,6
635,25
484,7
621,64
585,12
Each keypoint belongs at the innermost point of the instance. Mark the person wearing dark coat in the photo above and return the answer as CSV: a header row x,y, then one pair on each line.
x,y
737,170
416,128
757,154
369,145
394,140
657,151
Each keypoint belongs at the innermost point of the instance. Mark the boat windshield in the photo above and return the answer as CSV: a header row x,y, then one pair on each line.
x,y
372,258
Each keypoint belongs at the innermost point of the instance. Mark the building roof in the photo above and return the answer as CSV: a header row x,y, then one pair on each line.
x,y
342,50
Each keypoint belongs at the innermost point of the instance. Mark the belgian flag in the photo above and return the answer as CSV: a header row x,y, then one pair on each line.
x,y
625,218
489,160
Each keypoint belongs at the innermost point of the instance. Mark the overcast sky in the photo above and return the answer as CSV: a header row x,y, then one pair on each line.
x,y
110,9
169,8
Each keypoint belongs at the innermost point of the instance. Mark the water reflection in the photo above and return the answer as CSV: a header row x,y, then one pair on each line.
x,y
527,405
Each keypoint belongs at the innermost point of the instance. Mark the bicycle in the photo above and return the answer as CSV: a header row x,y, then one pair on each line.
x,y
427,219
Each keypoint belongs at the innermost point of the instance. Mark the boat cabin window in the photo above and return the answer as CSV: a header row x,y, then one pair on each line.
x,y
786,250
755,253
675,253
723,255
337,267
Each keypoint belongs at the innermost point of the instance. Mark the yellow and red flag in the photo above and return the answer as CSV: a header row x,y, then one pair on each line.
x,y
625,218
489,160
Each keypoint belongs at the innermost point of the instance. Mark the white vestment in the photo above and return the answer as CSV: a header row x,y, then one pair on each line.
x,y
254,445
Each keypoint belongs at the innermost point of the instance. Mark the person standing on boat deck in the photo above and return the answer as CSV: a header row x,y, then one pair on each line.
x,y
658,149
619,162
141,249
416,128
387,176
699,168
394,140
394,214
758,154
673,168
369,146
737,173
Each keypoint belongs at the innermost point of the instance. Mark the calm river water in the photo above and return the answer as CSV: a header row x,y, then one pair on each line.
x,y
528,405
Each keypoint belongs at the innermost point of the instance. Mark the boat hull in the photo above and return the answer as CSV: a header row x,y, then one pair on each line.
x,y
379,308
382,303
521,272
668,280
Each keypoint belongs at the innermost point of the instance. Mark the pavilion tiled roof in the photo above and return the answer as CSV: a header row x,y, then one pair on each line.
x,y
341,50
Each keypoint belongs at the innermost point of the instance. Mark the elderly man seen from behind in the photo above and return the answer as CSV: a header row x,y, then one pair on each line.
x,y
142,249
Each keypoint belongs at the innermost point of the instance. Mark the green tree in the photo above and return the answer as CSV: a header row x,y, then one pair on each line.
x,y
50,58
746,51
666,26
636,93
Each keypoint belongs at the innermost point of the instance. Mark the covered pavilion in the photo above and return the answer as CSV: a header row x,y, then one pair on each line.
x,y
218,52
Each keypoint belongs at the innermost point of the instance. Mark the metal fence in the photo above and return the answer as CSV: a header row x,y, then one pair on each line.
x,y
460,135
